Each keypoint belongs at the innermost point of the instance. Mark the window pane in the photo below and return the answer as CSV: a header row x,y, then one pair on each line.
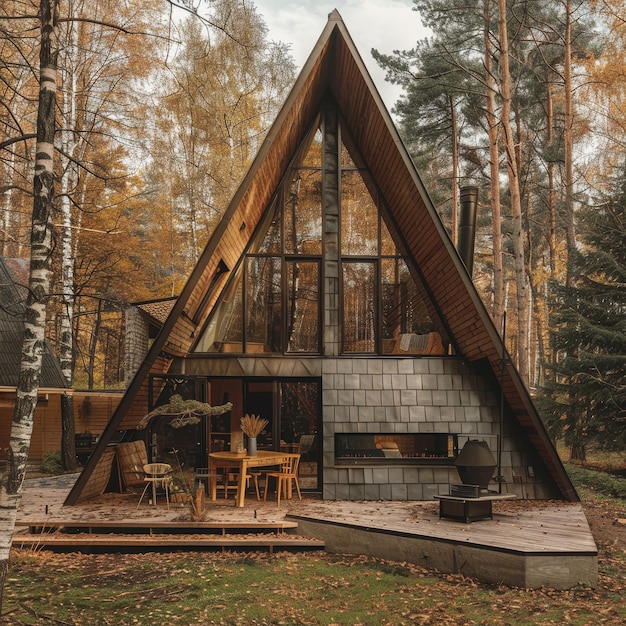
x,y
224,331
359,217
271,239
303,306
346,158
359,319
298,410
387,245
403,310
303,213
313,157
263,298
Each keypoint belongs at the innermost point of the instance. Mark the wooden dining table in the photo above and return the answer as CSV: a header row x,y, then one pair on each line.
x,y
243,462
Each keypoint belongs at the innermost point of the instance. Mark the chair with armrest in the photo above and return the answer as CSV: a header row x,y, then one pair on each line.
x,y
306,443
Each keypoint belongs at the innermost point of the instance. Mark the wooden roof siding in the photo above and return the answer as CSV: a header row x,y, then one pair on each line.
x,y
157,311
335,70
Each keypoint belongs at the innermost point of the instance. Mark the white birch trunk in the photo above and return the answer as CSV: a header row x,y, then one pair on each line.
x,y
69,185
39,283
6,207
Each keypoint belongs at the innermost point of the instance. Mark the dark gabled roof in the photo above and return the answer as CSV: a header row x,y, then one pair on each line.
x,y
12,298
335,71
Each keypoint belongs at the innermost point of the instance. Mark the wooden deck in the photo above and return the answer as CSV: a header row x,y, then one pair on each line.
x,y
525,544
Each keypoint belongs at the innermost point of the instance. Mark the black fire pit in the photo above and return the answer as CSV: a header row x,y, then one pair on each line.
x,y
475,464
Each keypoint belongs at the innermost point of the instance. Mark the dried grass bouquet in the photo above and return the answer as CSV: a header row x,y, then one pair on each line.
x,y
253,425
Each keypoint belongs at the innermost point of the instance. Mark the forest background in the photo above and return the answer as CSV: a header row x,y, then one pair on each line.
x,y
161,109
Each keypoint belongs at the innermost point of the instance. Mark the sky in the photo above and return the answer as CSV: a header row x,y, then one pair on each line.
x,y
386,25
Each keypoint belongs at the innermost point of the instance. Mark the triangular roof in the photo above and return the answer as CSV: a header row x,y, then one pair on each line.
x,y
335,69
156,311
12,299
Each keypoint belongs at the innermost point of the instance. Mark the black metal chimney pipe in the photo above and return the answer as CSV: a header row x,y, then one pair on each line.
x,y
467,226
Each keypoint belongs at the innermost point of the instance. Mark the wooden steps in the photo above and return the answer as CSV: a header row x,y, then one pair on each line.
x,y
38,526
156,535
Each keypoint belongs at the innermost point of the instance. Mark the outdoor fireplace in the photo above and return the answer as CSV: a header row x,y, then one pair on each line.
x,y
395,448
475,463
472,500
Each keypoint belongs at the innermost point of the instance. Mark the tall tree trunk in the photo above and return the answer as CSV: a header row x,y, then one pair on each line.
x,y
517,233
494,173
568,141
7,213
552,197
39,283
68,446
69,183
93,344
455,173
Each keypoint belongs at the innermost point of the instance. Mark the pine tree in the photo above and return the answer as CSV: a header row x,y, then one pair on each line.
x,y
586,401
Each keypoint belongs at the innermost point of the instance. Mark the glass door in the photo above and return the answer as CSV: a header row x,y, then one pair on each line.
x,y
293,409
300,427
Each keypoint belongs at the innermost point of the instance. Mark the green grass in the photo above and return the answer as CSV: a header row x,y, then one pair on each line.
x,y
289,589
590,481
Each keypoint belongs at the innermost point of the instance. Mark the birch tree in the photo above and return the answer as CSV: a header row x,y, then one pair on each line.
x,y
39,284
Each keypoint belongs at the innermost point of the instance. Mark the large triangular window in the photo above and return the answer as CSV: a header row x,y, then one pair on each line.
x,y
323,258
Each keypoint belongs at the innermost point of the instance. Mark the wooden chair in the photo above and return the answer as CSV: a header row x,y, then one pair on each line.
x,y
159,476
255,478
234,476
209,480
288,472
306,443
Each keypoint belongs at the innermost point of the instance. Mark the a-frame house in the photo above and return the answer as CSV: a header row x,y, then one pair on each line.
x,y
331,300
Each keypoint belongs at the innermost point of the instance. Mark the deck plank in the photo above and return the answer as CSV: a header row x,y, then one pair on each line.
x,y
78,542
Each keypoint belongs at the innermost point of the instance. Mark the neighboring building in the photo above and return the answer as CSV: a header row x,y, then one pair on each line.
x,y
47,425
331,300
92,409
143,321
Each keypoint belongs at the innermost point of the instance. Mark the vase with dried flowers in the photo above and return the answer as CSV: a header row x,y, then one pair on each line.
x,y
252,426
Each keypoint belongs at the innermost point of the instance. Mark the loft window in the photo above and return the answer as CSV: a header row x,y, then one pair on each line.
x,y
327,211
220,271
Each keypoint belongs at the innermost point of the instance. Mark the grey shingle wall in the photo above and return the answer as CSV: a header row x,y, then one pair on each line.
x,y
409,395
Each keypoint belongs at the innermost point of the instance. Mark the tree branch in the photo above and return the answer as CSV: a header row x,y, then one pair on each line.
x,y
7,142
